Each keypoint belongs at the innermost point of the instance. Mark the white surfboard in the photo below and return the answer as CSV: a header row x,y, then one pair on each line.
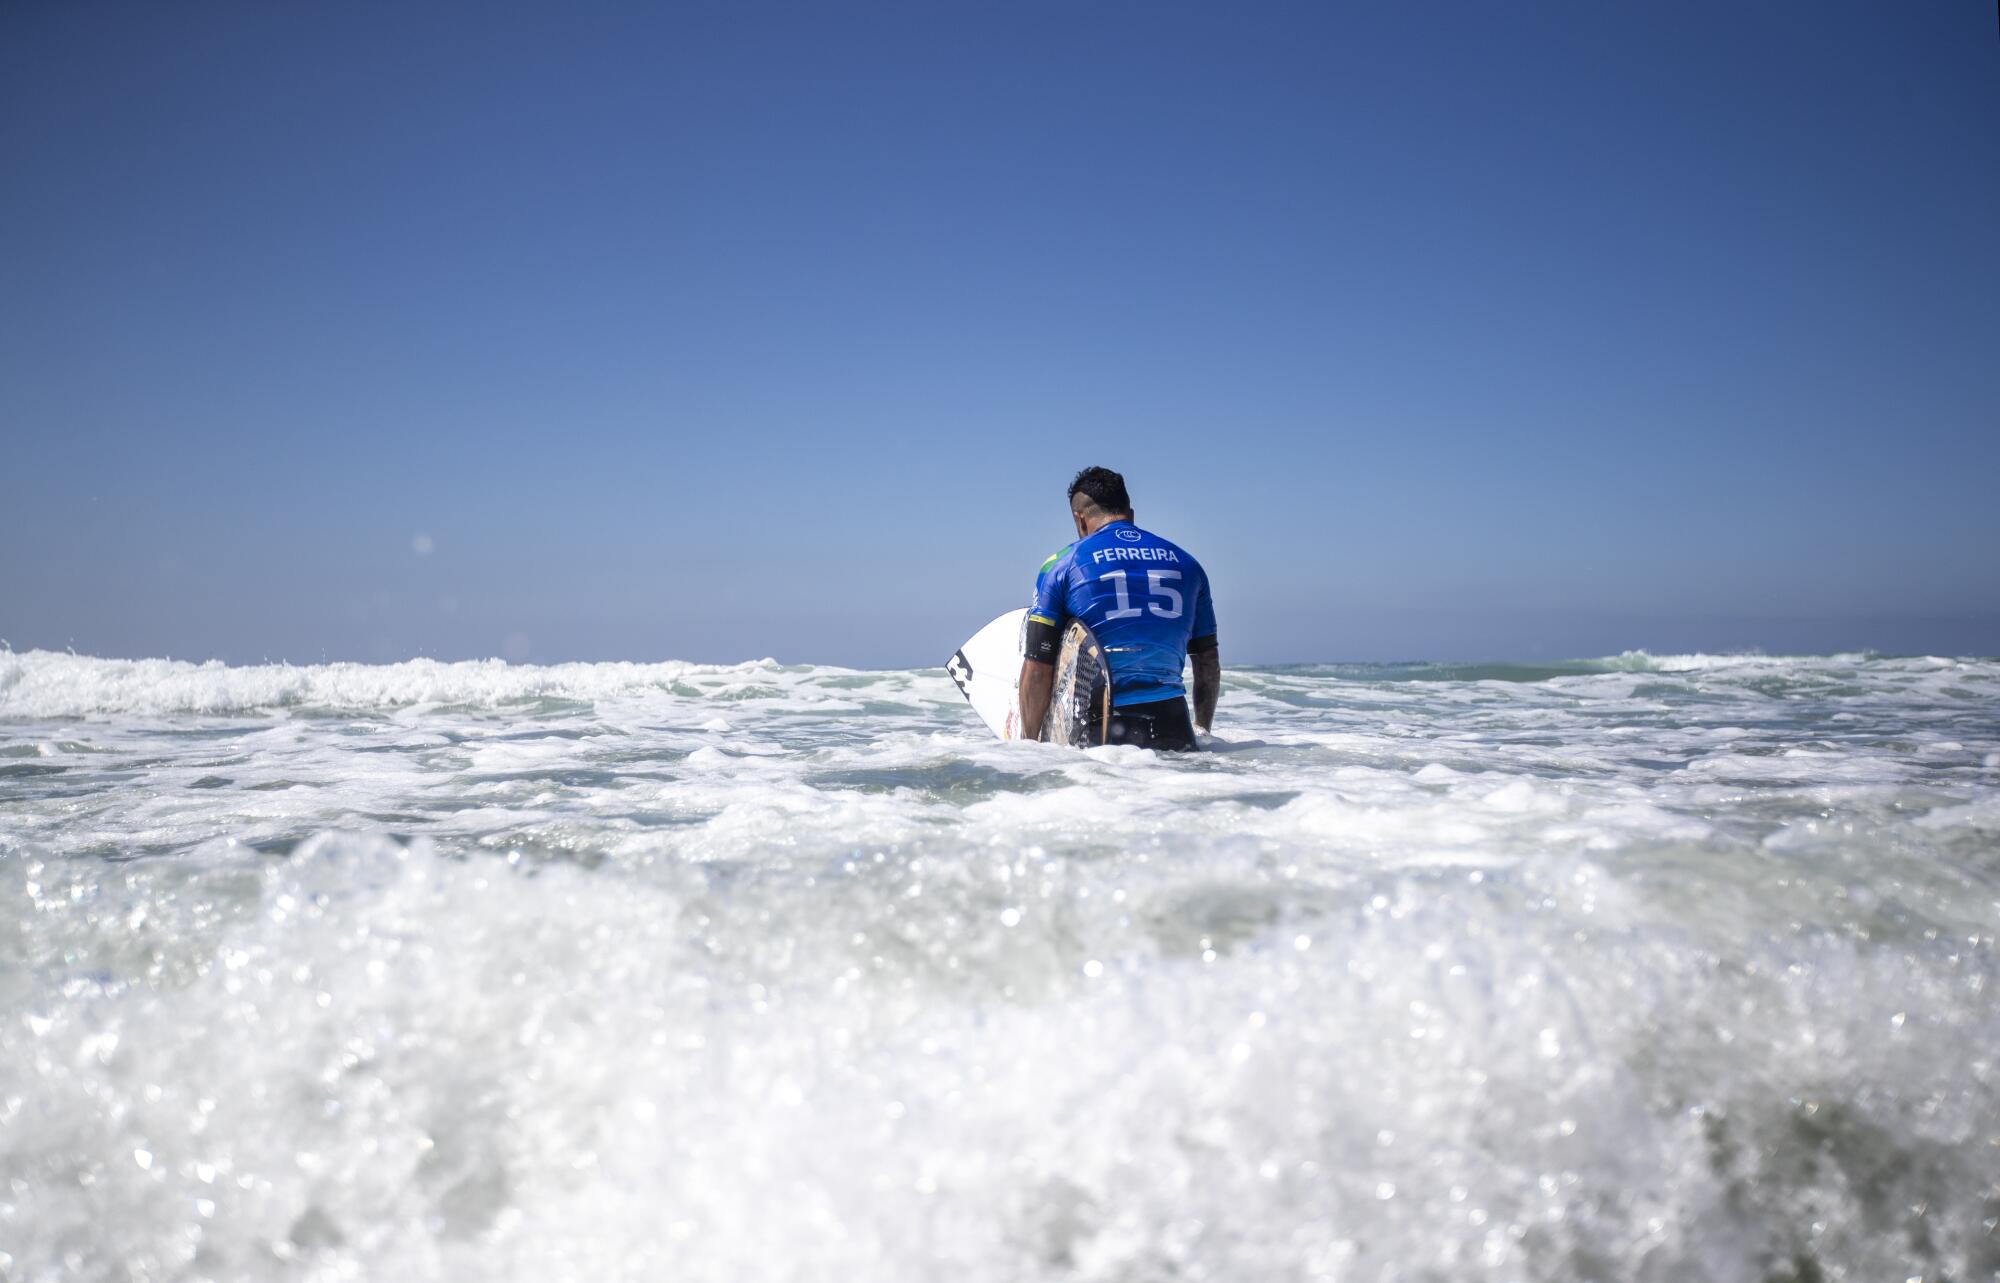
x,y
988,672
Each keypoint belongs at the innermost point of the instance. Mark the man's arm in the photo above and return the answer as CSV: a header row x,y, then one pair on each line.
x,y
1041,641
1207,684
1038,681
1207,660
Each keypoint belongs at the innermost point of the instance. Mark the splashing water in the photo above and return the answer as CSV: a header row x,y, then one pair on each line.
x,y
1644,968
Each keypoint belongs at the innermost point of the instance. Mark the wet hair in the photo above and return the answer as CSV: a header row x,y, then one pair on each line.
x,y
1104,488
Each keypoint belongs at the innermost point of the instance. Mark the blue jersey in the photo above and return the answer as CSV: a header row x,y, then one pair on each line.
x,y
1143,597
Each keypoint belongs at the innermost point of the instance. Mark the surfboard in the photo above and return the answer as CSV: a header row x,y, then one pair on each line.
x,y
1080,704
987,670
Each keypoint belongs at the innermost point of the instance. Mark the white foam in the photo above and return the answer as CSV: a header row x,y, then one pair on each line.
x,y
46,684
1645,662
633,971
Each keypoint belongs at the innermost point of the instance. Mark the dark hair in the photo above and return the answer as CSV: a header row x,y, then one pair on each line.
x,y
1102,487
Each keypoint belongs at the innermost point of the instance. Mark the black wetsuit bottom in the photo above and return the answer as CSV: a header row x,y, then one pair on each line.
x,y
1162,724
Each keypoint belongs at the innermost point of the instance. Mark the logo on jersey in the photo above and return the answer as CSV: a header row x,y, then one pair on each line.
x,y
1128,534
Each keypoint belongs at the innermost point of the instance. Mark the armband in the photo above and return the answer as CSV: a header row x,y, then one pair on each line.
x,y
1202,645
1040,640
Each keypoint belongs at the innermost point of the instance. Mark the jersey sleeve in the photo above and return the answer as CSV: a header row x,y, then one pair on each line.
x,y
1051,595
1204,617
1042,636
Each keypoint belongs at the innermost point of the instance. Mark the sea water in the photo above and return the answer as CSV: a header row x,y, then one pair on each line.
x,y
1645,968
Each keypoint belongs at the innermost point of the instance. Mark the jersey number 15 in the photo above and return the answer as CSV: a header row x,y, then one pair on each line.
x,y
1157,591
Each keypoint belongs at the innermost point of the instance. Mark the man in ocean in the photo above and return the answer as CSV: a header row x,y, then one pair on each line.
x,y
1148,604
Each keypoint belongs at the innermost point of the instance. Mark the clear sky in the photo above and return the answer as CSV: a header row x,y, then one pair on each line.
x,y
716,331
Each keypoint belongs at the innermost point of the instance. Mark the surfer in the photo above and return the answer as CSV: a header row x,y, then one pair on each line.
x,y
1146,600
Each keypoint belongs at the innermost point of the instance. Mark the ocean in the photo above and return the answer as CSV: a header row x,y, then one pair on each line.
x,y
1642,968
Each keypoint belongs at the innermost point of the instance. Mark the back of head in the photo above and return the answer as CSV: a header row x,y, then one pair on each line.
x,y
1103,489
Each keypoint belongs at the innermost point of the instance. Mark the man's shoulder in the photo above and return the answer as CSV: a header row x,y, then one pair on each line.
x,y
1184,554
1049,586
1190,565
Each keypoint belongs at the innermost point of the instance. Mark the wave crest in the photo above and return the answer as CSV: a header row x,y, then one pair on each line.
x,y
43,683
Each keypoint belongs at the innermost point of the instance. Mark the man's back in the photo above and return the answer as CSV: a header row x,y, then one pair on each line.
x,y
1146,601
1144,597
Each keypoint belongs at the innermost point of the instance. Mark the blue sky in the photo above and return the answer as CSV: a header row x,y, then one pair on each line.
x,y
718,331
